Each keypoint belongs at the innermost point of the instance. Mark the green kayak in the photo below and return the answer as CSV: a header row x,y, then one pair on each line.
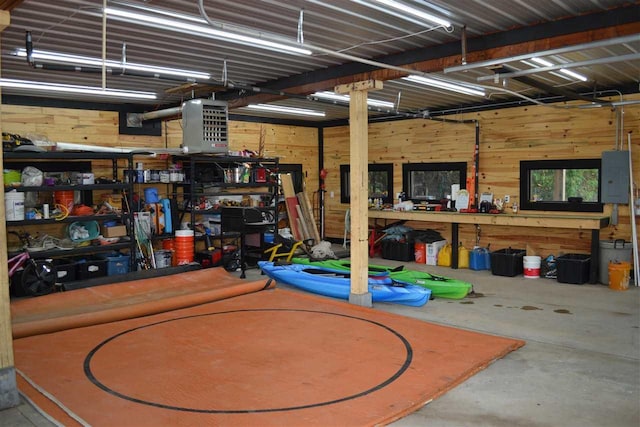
x,y
440,286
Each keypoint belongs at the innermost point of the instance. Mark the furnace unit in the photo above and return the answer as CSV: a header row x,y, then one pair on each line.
x,y
204,126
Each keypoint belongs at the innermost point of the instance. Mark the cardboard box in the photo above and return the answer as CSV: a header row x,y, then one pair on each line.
x,y
432,251
114,231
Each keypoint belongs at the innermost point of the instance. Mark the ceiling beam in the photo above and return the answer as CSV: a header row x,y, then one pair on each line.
x,y
439,64
10,4
443,56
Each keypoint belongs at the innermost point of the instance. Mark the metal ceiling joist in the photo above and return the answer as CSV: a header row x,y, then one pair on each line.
x,y
344,74
504,71
607,60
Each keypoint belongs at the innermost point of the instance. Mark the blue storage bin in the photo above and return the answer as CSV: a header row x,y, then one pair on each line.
x,y
117,263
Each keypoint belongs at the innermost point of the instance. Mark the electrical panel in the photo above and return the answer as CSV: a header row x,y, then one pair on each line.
x,y
204,126
615,177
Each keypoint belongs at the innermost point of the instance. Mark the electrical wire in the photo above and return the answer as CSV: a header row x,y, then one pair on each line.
x,y
63,212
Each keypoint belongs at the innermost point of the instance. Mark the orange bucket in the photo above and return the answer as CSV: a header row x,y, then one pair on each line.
x,y
169,245
619,275
64,198
420,252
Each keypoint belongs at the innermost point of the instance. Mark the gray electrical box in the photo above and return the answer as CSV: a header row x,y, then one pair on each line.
x,y
204,126
615,177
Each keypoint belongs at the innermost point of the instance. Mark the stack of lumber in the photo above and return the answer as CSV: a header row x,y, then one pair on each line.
x,y
301,220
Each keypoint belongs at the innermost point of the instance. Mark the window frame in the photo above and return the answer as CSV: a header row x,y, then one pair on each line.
x,y
407,168
345,170
526,166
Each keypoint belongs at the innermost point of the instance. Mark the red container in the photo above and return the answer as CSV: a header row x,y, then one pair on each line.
x,y
420,250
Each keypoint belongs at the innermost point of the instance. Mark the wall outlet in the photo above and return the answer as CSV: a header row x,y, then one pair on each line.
x,y
507,198
331,194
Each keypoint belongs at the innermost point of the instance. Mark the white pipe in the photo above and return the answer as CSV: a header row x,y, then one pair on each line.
x,y
634,233
104,44
94,148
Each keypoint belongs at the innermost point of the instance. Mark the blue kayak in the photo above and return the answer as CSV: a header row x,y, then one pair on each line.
x,y
334,284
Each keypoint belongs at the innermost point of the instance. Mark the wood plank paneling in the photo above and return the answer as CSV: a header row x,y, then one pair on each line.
x,y
506,137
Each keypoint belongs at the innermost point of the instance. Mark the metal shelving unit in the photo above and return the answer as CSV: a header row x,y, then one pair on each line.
x,y
214,178
119,162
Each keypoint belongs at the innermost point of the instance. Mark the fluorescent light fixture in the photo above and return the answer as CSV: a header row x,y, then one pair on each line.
x,y
574,74
286,110
345,98
467,90
569,73
86,90
542,62
203,30
48,56
415,12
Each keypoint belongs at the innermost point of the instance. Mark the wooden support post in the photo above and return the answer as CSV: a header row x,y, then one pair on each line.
x,y
359,150
8,390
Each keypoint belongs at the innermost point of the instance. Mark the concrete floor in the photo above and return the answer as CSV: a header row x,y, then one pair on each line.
x,y
580,366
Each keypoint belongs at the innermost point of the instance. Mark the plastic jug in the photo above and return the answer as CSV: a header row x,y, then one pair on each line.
x,y
444,256
480,259
463,257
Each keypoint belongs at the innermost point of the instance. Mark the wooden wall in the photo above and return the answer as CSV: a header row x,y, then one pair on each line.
x,y
290,144
506,137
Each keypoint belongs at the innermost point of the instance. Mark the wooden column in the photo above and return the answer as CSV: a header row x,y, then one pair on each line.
x,y
358,187
8,390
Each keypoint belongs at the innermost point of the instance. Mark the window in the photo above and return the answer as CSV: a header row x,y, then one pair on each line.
x,y
560,185
431,182
380,182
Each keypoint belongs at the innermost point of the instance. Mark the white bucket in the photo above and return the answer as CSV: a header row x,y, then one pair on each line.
x,y
14,205
531,267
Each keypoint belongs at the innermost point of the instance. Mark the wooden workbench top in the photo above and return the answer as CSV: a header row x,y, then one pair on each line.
x,y
516,220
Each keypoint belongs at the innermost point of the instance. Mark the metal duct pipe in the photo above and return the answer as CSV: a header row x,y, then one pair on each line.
x,y
135,119
161,114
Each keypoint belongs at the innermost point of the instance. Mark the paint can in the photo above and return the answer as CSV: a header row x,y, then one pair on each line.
x,y
163,258
531,267
164,176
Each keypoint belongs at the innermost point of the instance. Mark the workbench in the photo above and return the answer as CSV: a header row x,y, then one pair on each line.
x,y
577,222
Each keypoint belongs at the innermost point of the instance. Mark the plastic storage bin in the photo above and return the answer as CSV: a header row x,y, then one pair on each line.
x,y
399,251
89,268
573,268
507,262
117,263
65,270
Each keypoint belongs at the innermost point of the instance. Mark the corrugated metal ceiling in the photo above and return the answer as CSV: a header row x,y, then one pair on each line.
x,y
354,28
